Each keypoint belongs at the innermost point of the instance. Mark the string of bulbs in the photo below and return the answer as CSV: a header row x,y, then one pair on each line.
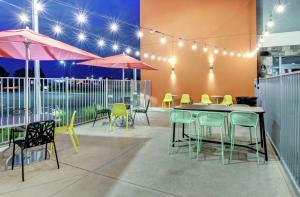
x,y
82,18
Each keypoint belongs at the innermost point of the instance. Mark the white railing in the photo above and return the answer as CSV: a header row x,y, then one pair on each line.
x,y
62,96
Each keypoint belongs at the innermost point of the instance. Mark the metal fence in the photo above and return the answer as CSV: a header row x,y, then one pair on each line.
x,y
280,97
62,96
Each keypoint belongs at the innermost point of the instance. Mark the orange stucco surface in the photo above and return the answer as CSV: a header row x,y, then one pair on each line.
x,y
224,23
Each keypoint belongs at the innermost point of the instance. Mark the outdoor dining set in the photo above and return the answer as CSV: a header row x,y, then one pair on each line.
x,y
199,119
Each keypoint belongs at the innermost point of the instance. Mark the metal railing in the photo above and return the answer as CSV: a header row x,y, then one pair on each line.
x,y
62,96
280,97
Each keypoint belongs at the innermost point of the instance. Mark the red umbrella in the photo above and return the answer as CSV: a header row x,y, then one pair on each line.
x,y
118,61
28,45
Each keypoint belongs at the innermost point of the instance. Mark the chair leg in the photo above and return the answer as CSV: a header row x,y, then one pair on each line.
x,y
72,140
10,135
75,137
257,147
232,131
222,144
57,162
127,121
95,119
46,151
170,140
134,117
13,157
250,135
22,162
147,119
190,145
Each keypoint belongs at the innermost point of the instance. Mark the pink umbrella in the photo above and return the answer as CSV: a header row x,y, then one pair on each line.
x,y
118,61
28,45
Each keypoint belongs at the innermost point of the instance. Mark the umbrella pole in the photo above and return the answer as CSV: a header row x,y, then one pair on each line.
x,y
26,43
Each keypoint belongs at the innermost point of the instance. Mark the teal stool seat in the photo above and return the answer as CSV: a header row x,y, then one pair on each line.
x,y
245,119
210,119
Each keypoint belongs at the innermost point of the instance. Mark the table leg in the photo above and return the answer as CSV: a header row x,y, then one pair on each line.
x,y
263,133
173,140
183,131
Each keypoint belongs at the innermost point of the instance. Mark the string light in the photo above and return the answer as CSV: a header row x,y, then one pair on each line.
x,y
164,59
180,43
128,50
57,29
205,49
40,7
137,53
81,37
139,34
216,51
270,23
23,18
152,57
266,33
194,46
158,58
101,43
163,39
239,54
280,8
224,52
231,53
114,27
81,17
115,47
146,55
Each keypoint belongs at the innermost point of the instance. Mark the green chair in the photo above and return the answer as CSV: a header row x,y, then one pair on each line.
x,y
246,119
181,117
244,105
210,119
205,99
227,100
185,99
168,99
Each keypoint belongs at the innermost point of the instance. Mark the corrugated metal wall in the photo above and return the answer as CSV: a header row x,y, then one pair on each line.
x,y
280,97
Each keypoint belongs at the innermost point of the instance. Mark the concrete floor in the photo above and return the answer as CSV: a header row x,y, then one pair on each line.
x,y
136,163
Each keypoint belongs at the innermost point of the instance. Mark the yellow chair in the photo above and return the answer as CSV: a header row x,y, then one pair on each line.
x,y
168,99
205,99
227,100
185,99
118,110
70,130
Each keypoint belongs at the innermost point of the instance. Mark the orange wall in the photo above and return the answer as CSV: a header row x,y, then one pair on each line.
x,y
225,23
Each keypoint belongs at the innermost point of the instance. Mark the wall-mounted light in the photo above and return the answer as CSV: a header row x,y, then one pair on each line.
x,y
172,61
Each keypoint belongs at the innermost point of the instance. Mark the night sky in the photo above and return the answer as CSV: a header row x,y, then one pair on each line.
x,y
97,26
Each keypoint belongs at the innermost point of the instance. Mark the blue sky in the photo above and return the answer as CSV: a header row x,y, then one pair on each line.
x,y
63,11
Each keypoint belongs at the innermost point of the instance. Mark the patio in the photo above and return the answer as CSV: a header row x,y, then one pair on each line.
x,y
136,163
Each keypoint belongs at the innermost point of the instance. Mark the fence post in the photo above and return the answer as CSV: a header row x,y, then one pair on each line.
x,y
67,98
106,93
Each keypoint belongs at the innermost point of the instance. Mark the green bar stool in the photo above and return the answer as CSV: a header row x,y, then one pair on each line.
x,y
181,117
250,131
210,119
245,119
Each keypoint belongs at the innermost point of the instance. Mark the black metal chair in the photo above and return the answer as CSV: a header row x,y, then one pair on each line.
x,y
37,134
101,114
142,111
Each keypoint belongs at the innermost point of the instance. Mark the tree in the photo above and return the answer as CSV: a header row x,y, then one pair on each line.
x,y
3,72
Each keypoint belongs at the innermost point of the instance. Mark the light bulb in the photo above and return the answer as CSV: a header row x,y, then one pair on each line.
x,y
39,6
101,43
57,29
128,50
114,27
137,53
164,59
194,46
216,51
224,52
270,23
205,49
115,47
152,57
280,8
23,18
180,43
146,55
81,17
81,37
231,53
163,40
139,34
158,58
239,54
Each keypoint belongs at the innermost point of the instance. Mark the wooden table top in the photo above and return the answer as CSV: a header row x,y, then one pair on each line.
x,y
220,108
